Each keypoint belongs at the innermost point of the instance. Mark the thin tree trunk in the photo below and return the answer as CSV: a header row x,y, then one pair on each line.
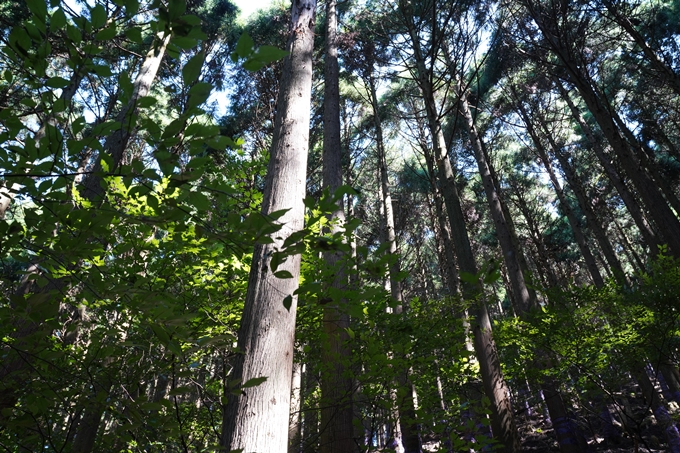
x,y
632,255
295,423
626,196
646,155
256,419
404,394
502,422
336,385
592,220
543,263
573,222
521,293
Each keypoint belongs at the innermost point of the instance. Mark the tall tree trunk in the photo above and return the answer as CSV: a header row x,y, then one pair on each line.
x,y
404,394
573,222
448,260
502,421
336,385
592,220
543,263
626,196
522,295
256,418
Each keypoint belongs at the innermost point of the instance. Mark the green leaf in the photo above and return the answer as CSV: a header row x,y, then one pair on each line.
x,y
287,302
198,94
199,201
38,8
344,190
283,274
58,20
184,42
180,391
492,276
98,16
73,34
176,8
102,70
192,69
160,332
173,128
131,7
134,34
107,33
268,54
253,65
244,46
146,102
254,382
469,278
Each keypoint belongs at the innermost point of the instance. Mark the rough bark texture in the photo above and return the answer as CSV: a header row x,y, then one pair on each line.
x,y
336,385
256,418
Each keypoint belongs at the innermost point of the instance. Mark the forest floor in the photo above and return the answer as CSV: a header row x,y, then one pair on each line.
x,y
537,435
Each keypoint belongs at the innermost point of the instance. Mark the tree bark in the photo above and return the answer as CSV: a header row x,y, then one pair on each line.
x,y
410,437
626,196
573,222
502,421
256,418
336,385
295,423
521,293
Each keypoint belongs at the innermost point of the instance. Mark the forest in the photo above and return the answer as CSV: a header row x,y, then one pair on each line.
x,y
353,226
